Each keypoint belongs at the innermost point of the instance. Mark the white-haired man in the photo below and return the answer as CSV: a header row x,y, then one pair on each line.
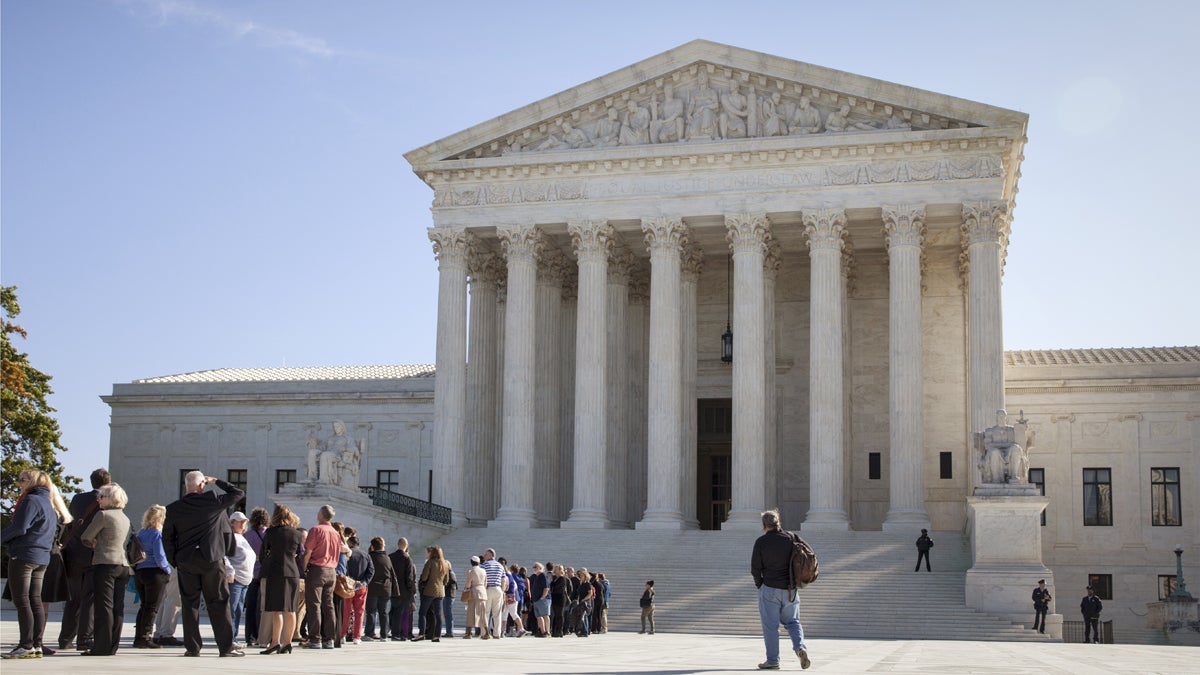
x,y
322,546
496,579
770,565
196,538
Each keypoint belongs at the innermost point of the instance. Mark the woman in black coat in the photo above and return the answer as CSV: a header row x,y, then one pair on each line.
x,y
379,591
560,588
281,579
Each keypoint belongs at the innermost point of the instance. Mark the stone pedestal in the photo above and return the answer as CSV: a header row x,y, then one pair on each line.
x,y
1006,546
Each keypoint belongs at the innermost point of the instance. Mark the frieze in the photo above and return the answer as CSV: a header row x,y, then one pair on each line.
x,y
837,175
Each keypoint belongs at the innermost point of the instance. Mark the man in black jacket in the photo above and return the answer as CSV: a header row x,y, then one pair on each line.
x,y
403,592
77,559
924,543
196,538
1090,608
379,591
770,565
1041,605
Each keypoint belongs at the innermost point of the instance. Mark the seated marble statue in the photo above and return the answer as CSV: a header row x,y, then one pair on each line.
x,y
805,119
1002,459
839,120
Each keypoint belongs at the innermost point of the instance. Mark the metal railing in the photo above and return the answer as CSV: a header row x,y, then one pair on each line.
x,y
400,503
1073,631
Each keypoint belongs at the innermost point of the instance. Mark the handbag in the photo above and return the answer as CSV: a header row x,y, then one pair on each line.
x,y
54,582
344,587
466,596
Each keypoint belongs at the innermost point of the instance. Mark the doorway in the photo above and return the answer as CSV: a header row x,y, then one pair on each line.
x,y
714,475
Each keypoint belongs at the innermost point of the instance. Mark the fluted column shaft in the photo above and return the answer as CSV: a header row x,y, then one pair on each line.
x,y
904,227
771,414
592,241
617,384
480,461
665,238
824,231
547,382
522,246
748,236
693,263
451,246
985,227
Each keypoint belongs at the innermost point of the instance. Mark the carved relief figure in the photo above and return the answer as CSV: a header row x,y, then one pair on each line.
x,y
635,125
735,110
702,111
667,122
314,449
1002,459
805,119
771,111
896,122
608,130
839,120
573,136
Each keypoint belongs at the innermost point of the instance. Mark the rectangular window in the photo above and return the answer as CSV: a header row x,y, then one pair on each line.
x,y
182,473
946,462
1038,477
1166,585
1102,583
388,480
283,477
873,469
1164,496
237,478
1097,497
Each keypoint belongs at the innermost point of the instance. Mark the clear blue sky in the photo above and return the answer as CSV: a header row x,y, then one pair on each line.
x,y
190,184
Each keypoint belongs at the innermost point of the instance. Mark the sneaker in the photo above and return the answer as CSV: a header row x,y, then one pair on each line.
x,y
767,665
356,642
804,660
45,650
233,652
311,645
327,645
237,645
19,652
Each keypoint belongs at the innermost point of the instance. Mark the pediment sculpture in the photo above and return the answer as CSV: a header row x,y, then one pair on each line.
x,y
337,459
1001,451
682,108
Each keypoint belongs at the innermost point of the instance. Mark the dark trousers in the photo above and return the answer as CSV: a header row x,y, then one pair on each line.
x,y
430,616
925,555
108,603
25,583
151,583
318,598
1091,626
448,615
77,613
1039,619
252,610
556,616
376,607
196,578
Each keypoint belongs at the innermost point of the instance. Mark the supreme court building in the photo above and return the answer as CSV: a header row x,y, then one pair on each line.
x,y
593,247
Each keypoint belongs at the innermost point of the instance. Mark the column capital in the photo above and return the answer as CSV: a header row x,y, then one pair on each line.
x,y
484,266
904,225
772,260
665,235
552,268
591,239
451,245
522,243
825,229
986,222
620,262
747,232
693,263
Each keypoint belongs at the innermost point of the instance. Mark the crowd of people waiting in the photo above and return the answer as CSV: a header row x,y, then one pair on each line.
x,y
314,588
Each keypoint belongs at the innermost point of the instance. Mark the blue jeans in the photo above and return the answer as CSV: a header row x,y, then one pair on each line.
x,y
776,607
237,601
448,615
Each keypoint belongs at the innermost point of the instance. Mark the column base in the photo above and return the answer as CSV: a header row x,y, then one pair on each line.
x,y
906,521
661,520
827,521
514,518
743,521
586,519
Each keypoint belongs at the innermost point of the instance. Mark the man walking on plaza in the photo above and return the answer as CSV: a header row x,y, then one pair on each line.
x,y
770,565
322,547
1090,608
495,593
196,538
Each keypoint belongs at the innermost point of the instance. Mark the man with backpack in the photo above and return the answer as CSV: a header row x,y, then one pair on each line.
x,y
778,601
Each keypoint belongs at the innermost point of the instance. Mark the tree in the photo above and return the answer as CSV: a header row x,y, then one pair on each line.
x,y
30,434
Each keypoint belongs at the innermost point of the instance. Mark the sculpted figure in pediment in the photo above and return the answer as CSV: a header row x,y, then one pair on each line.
x,y
666,125
735,114
703,110
770,110
608,130
895,123
635,125
805,119
839,120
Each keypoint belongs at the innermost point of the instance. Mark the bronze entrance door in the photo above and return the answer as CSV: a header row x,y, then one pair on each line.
x,y
714,465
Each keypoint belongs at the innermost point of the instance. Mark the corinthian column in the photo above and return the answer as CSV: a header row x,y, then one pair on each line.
x,y
523,246
547,382
904,227
592,241
665,238
617,384
693,263
480,462
825,231
451,247
748,235
771,264
985,229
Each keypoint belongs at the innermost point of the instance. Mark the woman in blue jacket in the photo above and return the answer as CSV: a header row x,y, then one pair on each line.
x,y
28,539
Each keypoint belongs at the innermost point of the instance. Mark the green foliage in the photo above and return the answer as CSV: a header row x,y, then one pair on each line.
x,y
30,434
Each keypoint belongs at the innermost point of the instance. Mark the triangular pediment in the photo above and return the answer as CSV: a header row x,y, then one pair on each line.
x,y
704,92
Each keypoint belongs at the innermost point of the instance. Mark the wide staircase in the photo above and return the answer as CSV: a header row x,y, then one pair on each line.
x,y
866,589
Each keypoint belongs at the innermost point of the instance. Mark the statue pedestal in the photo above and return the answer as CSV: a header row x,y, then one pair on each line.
x,y
355,509
1006,546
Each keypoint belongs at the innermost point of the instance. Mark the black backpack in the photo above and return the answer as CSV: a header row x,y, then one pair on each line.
x,y
134,551
803,565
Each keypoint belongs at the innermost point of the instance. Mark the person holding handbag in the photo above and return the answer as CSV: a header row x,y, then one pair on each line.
x,y
29,538
476,597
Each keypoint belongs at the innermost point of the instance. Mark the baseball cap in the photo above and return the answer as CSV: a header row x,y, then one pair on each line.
x,y
238,515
